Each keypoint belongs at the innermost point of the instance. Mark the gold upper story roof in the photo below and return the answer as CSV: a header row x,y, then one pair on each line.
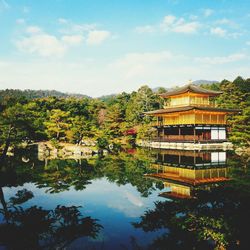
x,y
188,108
191,88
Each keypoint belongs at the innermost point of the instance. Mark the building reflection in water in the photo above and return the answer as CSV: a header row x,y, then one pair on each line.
x,y
185,172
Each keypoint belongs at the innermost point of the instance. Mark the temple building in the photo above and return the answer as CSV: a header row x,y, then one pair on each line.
x,y
190,115
183,173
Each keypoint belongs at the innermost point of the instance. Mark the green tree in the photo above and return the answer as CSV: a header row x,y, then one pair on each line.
x,y
80,128
58,124
16,125
140,102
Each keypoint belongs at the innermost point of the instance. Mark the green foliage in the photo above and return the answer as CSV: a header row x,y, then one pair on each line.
x,y
102,143
236,95
140,102
58,124
30,115
146,132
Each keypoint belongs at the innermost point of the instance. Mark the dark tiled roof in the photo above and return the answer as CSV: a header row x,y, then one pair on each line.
x,y
191,88
187,108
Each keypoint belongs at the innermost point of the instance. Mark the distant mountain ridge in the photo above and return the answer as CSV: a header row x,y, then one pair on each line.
x,y
197,82
32,94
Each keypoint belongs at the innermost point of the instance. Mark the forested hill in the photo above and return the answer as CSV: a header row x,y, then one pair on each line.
x,y
33,94
29,94
25,116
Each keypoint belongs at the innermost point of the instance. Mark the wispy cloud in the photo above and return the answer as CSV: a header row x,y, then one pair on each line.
x,y
69,27
179,25
162,68
73,40
222,59
96,37
227,22
42,44
171,23
33,29
224,33
145,29
139,64
194,24
38,42
218,31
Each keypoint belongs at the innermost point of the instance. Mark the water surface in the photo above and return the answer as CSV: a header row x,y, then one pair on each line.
x,y
141,199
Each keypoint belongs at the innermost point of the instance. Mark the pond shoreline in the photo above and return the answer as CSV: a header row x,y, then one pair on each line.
x,y
65,150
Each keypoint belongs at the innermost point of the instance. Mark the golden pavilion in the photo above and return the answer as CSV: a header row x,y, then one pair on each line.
x,y
190,115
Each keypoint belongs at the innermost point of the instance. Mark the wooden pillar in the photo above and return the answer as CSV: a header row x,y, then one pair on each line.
x,y
194,133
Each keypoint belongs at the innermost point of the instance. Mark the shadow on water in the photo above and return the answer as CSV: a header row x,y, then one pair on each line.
x,y
206,202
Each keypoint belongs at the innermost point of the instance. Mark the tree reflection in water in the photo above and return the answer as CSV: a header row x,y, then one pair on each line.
x,y
216,219
38,228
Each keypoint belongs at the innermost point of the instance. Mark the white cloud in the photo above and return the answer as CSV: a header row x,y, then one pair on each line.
x,y
129,72
208,12
33,29
168,20
223,59
63,21
171,23
149,57
193,17
225,22
38,42
96,37
222,27
145,29
73,40
69,27
187,28
179,25
42,44
140,64
135,200
218,31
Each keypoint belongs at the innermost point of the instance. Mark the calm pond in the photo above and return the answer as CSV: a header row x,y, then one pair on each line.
x,y
135,199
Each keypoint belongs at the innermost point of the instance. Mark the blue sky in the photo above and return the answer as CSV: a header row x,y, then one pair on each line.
x,y
98,47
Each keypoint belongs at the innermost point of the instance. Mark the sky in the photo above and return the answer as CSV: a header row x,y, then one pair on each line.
x,y
100,47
